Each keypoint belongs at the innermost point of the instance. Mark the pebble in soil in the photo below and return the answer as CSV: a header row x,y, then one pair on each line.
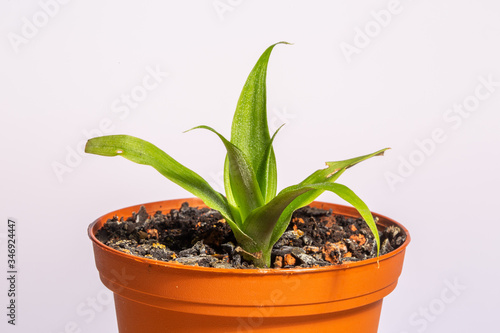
x,y
201,237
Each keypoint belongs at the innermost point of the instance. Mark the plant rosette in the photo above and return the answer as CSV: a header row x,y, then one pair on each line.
x,y
171,297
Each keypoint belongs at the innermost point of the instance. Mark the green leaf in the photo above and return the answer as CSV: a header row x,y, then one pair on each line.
x,y
143,152
233,205
244,186
261,222
267,228
250,132
333,168
329,174
268,170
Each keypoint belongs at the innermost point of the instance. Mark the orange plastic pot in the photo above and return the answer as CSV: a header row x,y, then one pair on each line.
x,y
155,296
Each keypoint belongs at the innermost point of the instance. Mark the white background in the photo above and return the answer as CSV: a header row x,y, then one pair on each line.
x,y
396,82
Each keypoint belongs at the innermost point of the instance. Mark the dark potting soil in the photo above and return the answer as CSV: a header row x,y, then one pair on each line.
x,y
192,236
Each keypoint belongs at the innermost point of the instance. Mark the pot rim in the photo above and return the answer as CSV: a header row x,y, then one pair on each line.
x,y
251,271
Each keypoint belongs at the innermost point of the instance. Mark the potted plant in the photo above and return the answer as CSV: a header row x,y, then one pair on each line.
x,y
162,296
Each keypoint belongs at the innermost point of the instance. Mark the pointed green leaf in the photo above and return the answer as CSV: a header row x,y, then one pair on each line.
x,y
244,186
143,152
329,174
260,224
233,205
249,131
268,170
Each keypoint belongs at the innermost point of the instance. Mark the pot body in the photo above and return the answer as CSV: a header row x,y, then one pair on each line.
x,y
155,296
